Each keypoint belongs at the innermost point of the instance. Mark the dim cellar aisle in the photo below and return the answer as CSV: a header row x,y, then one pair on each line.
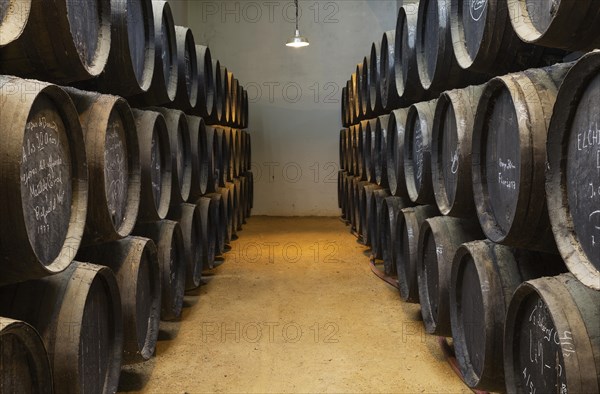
x,y
294,308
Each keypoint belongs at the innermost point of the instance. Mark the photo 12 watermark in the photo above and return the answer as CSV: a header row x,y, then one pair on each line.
x,y
270,332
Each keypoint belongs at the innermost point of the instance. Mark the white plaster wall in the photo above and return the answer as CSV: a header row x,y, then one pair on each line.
x,y
295,93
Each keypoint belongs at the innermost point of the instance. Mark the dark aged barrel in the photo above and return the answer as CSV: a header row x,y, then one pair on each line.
x,y
233,91
235,153
484,40
23,359
509,157
63,41
186,96
134,261
439,239
13,19
552,337
484,278
369,145
366,89
340,191
362,139
387,235
344,105
155,163
356,97
222,157
212,159
229,155
376,209
190,222
408,84
226,120
349,103
342,149
349,204
387,75
168,237
380,150
360,90
375,79
353,147
164,79
217,110
365,212
206,82
209,218
239,220
130,64
181,154
436,63
451,148
227,214
220,221
111,145
408,226
78,315
573,177
199,151
395,153
250,176
233,193
417,152
571,25
360,200
44,178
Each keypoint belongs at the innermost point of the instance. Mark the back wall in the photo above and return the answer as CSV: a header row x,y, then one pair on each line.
x,y
294,93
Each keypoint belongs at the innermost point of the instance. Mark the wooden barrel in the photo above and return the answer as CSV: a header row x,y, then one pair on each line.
x,y
344,107
451,148
235,153
163,88
417,152
61,42
551,339
509,157
387,82
218,206
224,155
220,88
408,227
181,154
340,191
245,109
233,92
240,212
134,261
360,90
44,177
395,153
356,97
365,212
360,207
362,139
13,19
342,149
484,40
368,148
227,120
209,221
168,237
573,177
190,222
365,80
250,192
436,63
213,158
206,82
155,163
23,358
387,235
199,151
484,278
375,79
239,107
228,154
571,25
408,85
234,195
227,213
348,196
380,150
112,150
130,65
439,239
186,97
349,104
375,213
78,315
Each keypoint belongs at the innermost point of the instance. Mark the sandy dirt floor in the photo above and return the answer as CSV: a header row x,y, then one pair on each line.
x,y
295,308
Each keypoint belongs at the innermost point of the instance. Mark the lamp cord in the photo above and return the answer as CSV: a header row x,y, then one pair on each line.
x,y
296,2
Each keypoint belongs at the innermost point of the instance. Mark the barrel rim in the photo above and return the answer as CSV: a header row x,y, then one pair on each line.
x,y
573,87
164,10
206,83
32,340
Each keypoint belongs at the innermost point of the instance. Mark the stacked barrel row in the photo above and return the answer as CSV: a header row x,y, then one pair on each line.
x,y
483,203
128,48
116,198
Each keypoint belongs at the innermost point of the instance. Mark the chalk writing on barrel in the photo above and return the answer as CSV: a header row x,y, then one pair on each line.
x,y
477,8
